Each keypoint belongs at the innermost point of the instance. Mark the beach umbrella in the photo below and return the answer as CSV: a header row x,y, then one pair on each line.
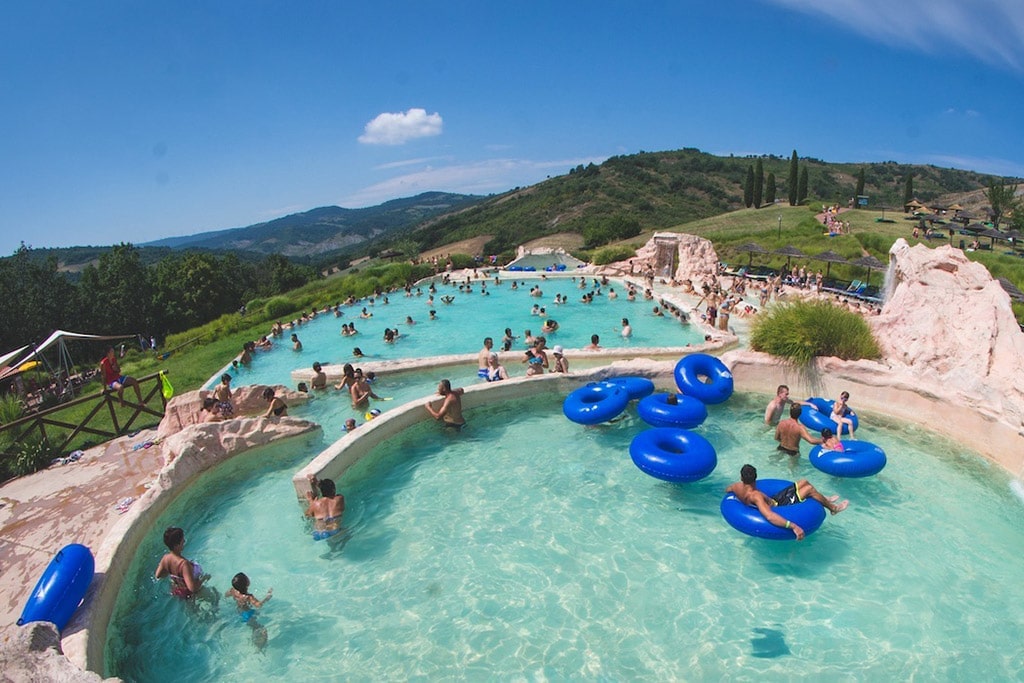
x,y
789,252
976,227
869,262
829,257
955,207
751,248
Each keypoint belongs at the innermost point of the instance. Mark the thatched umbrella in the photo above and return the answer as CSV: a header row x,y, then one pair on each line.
x,y
829,257
992,234
751,248
869,262
789,252
976,227
913,204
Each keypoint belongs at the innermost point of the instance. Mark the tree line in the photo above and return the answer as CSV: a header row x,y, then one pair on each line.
x,y
121,295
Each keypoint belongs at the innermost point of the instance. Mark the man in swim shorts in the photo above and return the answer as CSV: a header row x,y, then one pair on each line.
x,y
746,491
113,380
481,358
790,431
319,380
326,506
449,412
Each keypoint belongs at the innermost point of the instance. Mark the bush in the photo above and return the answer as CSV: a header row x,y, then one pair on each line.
x,y
801,331
606,255
280,307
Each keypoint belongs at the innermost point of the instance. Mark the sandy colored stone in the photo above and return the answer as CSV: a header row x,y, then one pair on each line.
x,y
186,409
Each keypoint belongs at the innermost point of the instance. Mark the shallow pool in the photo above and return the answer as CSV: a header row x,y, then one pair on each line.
x,y
461,326
529,547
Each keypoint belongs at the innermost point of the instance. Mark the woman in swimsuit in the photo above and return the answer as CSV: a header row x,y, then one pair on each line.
x,y
186,576
278,408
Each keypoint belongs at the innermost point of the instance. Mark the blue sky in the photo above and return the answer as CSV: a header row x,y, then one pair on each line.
x,y
136,120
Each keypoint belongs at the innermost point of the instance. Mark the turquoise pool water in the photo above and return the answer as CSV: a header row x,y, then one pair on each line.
x,y
462,326
529,547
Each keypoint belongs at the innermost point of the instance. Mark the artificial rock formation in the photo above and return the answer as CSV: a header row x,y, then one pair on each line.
x,y
186,409
948,322
674,255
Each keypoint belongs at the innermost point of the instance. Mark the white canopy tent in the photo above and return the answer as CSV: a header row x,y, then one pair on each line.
x,y
65,367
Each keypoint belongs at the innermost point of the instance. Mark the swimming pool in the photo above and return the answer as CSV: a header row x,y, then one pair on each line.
x,y
462,326
530,547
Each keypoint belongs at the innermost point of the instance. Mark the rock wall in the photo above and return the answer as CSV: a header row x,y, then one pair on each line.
x,y
672,255
947,322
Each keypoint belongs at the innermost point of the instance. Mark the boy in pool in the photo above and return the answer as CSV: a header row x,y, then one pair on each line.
x,y
247,605
746,491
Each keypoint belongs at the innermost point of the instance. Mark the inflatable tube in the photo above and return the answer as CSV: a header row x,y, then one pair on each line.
x,y
857,459
691,368
809,514
676,455
595,403
61,587
636,387
817,416
688,413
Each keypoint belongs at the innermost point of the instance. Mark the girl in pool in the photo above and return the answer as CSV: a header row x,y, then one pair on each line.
x,y
829,441
247,606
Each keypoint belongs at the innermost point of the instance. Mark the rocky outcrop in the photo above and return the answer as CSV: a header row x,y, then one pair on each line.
x,y
672,255
36,656
186,409
947,322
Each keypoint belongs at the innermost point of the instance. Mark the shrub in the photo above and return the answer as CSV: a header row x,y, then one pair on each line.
x,y
280,307
611,254
802,330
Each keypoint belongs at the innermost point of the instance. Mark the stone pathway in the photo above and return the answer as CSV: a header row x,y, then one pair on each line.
x,y
73,503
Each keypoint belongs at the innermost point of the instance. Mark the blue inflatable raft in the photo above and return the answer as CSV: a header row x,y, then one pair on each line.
x,y
61,588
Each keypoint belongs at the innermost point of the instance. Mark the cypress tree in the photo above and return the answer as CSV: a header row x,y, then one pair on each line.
x,y
769,192
758,183
791,183
748,188
801,192
860,184
908,189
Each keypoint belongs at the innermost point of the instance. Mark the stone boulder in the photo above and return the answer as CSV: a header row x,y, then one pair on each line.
x,y
186,409
35,655
947,321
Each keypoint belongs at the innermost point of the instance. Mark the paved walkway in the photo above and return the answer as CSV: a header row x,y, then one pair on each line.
x,y
73,503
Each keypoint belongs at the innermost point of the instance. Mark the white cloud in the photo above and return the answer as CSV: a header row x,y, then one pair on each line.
x,y
483,177
990,30
405,162
397,129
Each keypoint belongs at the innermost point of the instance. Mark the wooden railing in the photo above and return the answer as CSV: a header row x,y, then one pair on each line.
x,y
39,422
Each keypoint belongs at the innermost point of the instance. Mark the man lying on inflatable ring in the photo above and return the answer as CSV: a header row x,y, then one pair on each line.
x,y
746,491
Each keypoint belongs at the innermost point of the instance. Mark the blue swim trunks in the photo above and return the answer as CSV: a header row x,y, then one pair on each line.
x,y
247,615
481,373
322,534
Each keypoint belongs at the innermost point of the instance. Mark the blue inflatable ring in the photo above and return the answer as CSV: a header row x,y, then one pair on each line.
x,y
691,368
688,413
676,455
636,387
857,459
595,403
809,515
817,416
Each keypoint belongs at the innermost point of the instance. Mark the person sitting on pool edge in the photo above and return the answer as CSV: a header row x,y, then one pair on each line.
x,y
278,408
789,432
450,409
746,491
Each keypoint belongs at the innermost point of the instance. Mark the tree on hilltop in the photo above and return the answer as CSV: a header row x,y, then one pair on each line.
x,y
769,192
860,184
758,183
908,189
1001,199
801,190
748,188
791,183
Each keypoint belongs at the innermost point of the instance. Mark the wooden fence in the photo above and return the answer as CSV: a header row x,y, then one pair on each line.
x,y
58,433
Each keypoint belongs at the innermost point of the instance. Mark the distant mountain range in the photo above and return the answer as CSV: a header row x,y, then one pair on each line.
x,y
653,189
325,229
